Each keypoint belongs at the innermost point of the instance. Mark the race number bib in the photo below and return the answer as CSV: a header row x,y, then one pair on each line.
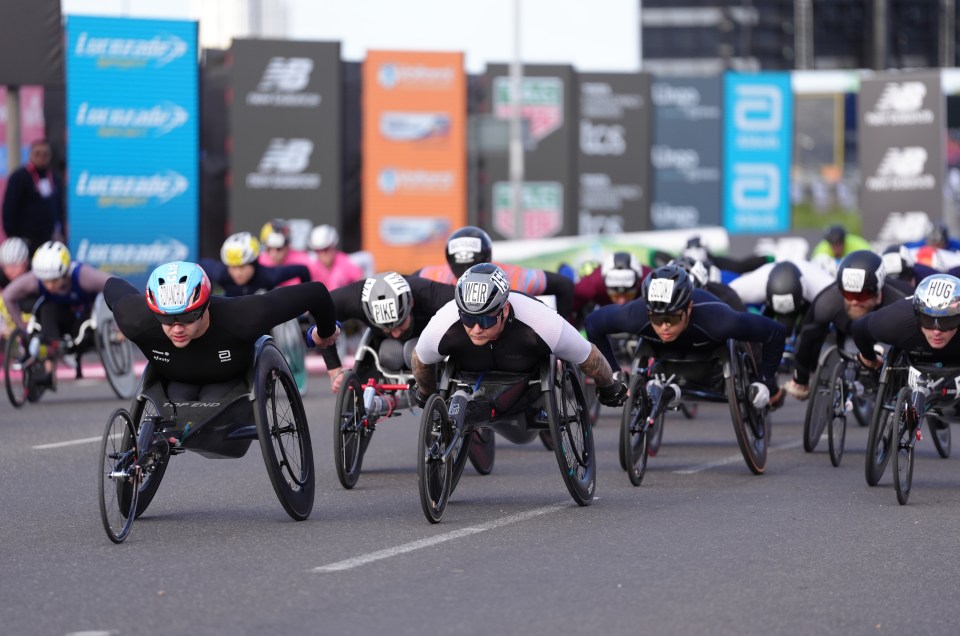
x,y
660,290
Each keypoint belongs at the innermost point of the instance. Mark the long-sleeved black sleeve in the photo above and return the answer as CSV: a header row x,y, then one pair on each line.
x,y
562,289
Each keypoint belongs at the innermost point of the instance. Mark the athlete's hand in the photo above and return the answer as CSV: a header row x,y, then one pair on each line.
x,y
874,364
797,390
336,378
759,395
323,343
613,395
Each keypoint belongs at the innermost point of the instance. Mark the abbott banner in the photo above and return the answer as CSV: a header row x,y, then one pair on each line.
x,y
132,104
414,156
757,135
900,140
285,132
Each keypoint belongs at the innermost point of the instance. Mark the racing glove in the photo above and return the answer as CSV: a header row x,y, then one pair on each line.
x,y
613,395
759,395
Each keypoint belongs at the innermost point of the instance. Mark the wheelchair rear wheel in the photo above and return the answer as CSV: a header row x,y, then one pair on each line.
x,y
16,375
350,435
434,466
115,351
837,424
903,455
119,476
634,435
879,438
750,424
290,340
283,433
820,407
152,467
571,431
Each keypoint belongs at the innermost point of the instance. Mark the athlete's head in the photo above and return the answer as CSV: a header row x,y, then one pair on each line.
x,y
275,236
482,298
621,274
466,247
860,278
937,305
388,302
14,257
938,235
668,292
836,236
323,241
178,294
51,265
785,302
239,253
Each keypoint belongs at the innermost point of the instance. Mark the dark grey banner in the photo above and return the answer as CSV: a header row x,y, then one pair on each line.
x,y
549,199
686,153
32,35
900,140
286,132
614,162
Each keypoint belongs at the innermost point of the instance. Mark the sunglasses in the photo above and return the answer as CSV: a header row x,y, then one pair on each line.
x,y
666,319
186,318
939,323
858,297
485,322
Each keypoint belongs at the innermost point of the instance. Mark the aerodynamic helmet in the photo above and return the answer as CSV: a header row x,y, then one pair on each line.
x,y
621,272
323,237
667,290
483,289
785,289
275,233
466,247
51,261
386,299
861,272
937,302
178,288
240,249
14,251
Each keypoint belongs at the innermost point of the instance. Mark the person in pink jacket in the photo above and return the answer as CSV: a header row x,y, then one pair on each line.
x,y
275,240
329,265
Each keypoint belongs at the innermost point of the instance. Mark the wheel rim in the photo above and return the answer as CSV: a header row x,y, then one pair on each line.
x,y
435,473
285,433
119,477
16,376
903,458
349,430
574,430
838,420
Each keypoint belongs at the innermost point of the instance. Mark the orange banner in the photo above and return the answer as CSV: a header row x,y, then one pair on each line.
x,y
414,156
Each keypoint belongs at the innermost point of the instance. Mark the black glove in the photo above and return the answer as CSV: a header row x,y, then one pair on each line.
x,y
420,399
613,395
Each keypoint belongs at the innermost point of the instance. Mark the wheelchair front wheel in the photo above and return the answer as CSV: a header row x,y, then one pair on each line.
x,y
16,375
350,435
434,466
571,431
152,468
903,451
634,434
837,424
879,440
283,433
820,406
119,476
750,424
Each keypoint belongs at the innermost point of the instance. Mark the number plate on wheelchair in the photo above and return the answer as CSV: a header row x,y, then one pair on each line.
x,y
913,376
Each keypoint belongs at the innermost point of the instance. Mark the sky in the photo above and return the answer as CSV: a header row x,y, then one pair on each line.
x,y
599,35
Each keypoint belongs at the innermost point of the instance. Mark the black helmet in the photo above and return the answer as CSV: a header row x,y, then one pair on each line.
x,y
835,234
785,290
699,270
620,272
938,234
386,299
466,247
861,271
483,289
894,264
667,290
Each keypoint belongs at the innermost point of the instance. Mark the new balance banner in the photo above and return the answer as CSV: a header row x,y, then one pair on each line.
x,y
757,146
549,197
286,132
901,146
414,156
614,161
686,153
133,153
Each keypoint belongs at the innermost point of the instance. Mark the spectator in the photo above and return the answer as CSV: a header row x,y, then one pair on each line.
x,y
33,206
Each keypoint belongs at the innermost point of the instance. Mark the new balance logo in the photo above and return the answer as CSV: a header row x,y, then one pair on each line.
x,y
282,166
902,169
900,104
283,82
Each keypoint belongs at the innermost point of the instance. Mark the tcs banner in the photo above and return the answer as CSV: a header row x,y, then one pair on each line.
x,y
132,100
414,156
757,134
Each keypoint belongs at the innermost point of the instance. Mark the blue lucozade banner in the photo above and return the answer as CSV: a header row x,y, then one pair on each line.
x,y
132,159
757,143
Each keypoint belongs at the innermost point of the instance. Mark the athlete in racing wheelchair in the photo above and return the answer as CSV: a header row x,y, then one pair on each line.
x,y
511,365
213,384
693,346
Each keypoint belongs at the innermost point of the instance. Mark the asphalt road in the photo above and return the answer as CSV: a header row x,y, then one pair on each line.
x,y
702,547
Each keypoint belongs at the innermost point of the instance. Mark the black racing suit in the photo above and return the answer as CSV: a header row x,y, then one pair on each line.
x,y
896,324
264,277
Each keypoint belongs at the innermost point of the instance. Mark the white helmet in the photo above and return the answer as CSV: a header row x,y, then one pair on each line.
x,y
51,261
14,251
241,248
323,236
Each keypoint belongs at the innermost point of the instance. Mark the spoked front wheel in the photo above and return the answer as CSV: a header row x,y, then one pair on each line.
x,y
750,424
119,476
350,433
634,434
879,440
820,407
434,463
283,433
16,375
903,457
154,464
837,424
571,431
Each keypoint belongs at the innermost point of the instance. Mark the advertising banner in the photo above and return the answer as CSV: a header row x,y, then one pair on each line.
x,y
686,153
901,146
285,132
614,161
549,196
414,156
31,128
132,123
32,36
757,151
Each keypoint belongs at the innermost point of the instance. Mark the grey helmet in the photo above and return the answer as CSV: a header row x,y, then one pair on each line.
x,y
386,299
483,289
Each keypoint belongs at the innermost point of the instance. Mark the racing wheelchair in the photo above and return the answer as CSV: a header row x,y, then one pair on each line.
x,y
517,406
138,443
841,386
24,355
907,393
722,375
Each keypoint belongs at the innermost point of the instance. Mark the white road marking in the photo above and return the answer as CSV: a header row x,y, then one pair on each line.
x,y
731,459
379,555
72,442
